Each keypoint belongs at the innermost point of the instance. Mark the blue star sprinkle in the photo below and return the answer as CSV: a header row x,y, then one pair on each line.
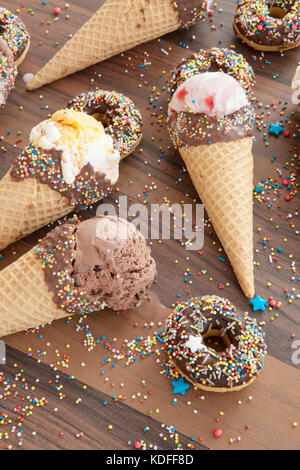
x,y
258,304
180,386
276,129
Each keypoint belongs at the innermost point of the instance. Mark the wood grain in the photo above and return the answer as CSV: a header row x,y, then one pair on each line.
x,y
274,406
57,426
269,414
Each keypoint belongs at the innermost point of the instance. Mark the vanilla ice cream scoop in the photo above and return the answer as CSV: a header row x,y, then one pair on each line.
x,y
82,140
215,94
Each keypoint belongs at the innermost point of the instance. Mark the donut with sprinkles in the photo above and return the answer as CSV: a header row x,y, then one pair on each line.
x,y
268,25
214,60
121,119
14,32
8,72
192,330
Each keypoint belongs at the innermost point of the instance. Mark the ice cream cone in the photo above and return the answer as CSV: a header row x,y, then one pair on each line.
x,y
116,27
27,206
25,300
47,181
222,174
76,269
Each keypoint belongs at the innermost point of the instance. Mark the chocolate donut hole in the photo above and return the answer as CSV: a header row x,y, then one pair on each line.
x,y
102,118
214,340
277,12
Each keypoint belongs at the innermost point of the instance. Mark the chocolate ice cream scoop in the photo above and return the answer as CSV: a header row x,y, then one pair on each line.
x,y
104,261
113,261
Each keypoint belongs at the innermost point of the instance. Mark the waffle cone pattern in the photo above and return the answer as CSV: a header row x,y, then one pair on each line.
x,y
116,27
25,300
26,206
223,177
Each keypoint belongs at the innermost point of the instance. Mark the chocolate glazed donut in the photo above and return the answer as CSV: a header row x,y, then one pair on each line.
x,y
8,71
268,25
232,367
214,60
14,32
118,114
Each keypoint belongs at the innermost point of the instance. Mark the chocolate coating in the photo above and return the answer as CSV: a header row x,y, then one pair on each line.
x,y
238,365
190,11
89,186
57,252
192,129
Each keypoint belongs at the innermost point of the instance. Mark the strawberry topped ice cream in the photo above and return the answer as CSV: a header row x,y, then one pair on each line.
x,y
213,93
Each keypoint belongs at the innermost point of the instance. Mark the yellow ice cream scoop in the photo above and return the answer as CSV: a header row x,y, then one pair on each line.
x,y
82,140
77,121
70,128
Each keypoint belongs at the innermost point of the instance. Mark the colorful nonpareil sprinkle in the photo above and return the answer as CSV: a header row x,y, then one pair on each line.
x,y
258,304
275,243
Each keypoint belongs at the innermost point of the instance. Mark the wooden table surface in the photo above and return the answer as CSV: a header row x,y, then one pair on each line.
x,y
55,384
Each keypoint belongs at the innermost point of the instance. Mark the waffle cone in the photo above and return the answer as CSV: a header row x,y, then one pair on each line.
x,y
116,27
223,177
26,206
25,300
